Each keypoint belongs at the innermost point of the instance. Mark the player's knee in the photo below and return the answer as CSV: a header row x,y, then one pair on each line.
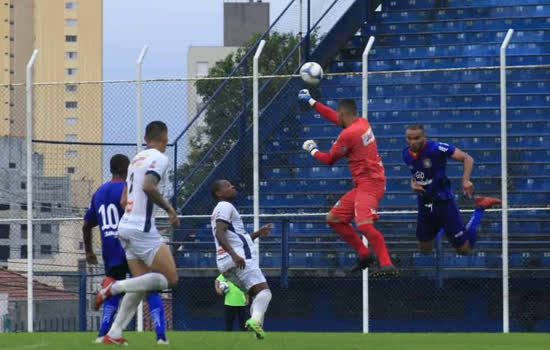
x,y
172,280
464,250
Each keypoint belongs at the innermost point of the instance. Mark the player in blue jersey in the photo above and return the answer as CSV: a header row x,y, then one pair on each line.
x,y
105,211
437,208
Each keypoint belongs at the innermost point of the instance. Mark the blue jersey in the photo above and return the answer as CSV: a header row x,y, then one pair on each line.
x,y
105,211
428,169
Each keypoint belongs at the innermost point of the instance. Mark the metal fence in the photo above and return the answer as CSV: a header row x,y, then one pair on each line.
x,y
77,127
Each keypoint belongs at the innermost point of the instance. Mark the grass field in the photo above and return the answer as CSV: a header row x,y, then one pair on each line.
x,y
280,341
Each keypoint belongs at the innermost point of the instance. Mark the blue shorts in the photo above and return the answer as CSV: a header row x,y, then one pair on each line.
x,y
432,216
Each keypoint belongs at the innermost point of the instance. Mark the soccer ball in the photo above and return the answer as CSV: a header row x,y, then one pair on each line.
x,y
311,73
224,286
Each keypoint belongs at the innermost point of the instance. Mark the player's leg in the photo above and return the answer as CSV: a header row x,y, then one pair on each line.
x,y
110,306
241,316
261,296
130,301
339,219
454,228
229,317
428,225
366,213
481,203
156,310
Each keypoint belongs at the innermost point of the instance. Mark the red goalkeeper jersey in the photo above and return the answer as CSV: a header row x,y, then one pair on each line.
x,y
357,144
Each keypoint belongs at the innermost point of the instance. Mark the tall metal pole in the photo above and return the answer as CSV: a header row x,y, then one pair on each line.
x,y
139,142
256,141
504,183
30,294
365,97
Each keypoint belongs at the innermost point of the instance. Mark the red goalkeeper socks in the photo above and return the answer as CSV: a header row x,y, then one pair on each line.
x,y
349,235
377,242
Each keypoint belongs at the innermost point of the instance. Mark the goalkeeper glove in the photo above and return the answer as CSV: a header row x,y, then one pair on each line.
x,y
304,96
310,146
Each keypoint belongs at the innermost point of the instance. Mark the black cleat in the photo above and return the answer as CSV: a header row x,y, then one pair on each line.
x,y
364,262
383,271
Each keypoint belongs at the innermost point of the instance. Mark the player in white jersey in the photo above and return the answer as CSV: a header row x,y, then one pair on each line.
x,y
236,257
145,250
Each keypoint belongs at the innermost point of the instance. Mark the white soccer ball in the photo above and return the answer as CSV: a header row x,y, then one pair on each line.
x,y
311,73
224,286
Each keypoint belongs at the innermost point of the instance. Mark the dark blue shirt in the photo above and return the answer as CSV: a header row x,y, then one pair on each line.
x,y
428,169
105,211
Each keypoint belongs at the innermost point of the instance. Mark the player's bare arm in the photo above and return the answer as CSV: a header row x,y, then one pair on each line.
x,y
263,231
416,187
221,229
91,258
467,185
124,197
150,188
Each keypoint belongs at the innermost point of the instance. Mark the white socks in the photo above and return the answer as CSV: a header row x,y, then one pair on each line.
x,y
259,305
146,283
126,312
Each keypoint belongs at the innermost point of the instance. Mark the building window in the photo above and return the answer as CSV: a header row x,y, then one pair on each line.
x,y
71,137
71,121
71,104
12,165
71,154
46,249
24,231
202,69
71,22
71,170
46,228
71,71
23,185
71,88
23,206
70,38
45,207
4,252
71,55
23,253
70,5
4,206
5,231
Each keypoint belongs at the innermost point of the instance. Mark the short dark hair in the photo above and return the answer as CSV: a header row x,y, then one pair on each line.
x,y
154,130
119,164
416,127
215,187
348,105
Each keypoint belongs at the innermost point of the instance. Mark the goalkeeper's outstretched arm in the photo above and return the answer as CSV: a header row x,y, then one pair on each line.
x,y
328,113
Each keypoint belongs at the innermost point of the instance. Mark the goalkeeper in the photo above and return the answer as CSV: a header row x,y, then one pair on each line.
x,y
357,144
235,302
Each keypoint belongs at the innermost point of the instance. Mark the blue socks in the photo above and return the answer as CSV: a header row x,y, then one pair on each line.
x,y
471,226
109,310
156,309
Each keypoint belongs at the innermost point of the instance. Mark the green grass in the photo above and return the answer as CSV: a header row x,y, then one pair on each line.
x,y
291,341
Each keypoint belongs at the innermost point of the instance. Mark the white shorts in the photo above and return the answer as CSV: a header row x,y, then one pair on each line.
x,y
139,245
245,278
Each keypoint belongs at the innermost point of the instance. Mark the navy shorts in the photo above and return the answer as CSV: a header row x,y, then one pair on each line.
x,y
118,272
432,216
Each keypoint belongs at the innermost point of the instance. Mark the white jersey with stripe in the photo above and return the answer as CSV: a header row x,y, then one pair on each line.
x,y
139,210
237,237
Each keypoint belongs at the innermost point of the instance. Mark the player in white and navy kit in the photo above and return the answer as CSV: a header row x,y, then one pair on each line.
x,y
236,257
145,250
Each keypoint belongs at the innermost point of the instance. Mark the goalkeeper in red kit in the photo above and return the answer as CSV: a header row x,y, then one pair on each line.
x,y
357,144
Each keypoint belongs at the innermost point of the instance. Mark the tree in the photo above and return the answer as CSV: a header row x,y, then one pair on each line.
x,y
230,103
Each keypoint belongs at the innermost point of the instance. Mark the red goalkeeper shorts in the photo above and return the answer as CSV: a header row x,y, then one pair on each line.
x,y
360,203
